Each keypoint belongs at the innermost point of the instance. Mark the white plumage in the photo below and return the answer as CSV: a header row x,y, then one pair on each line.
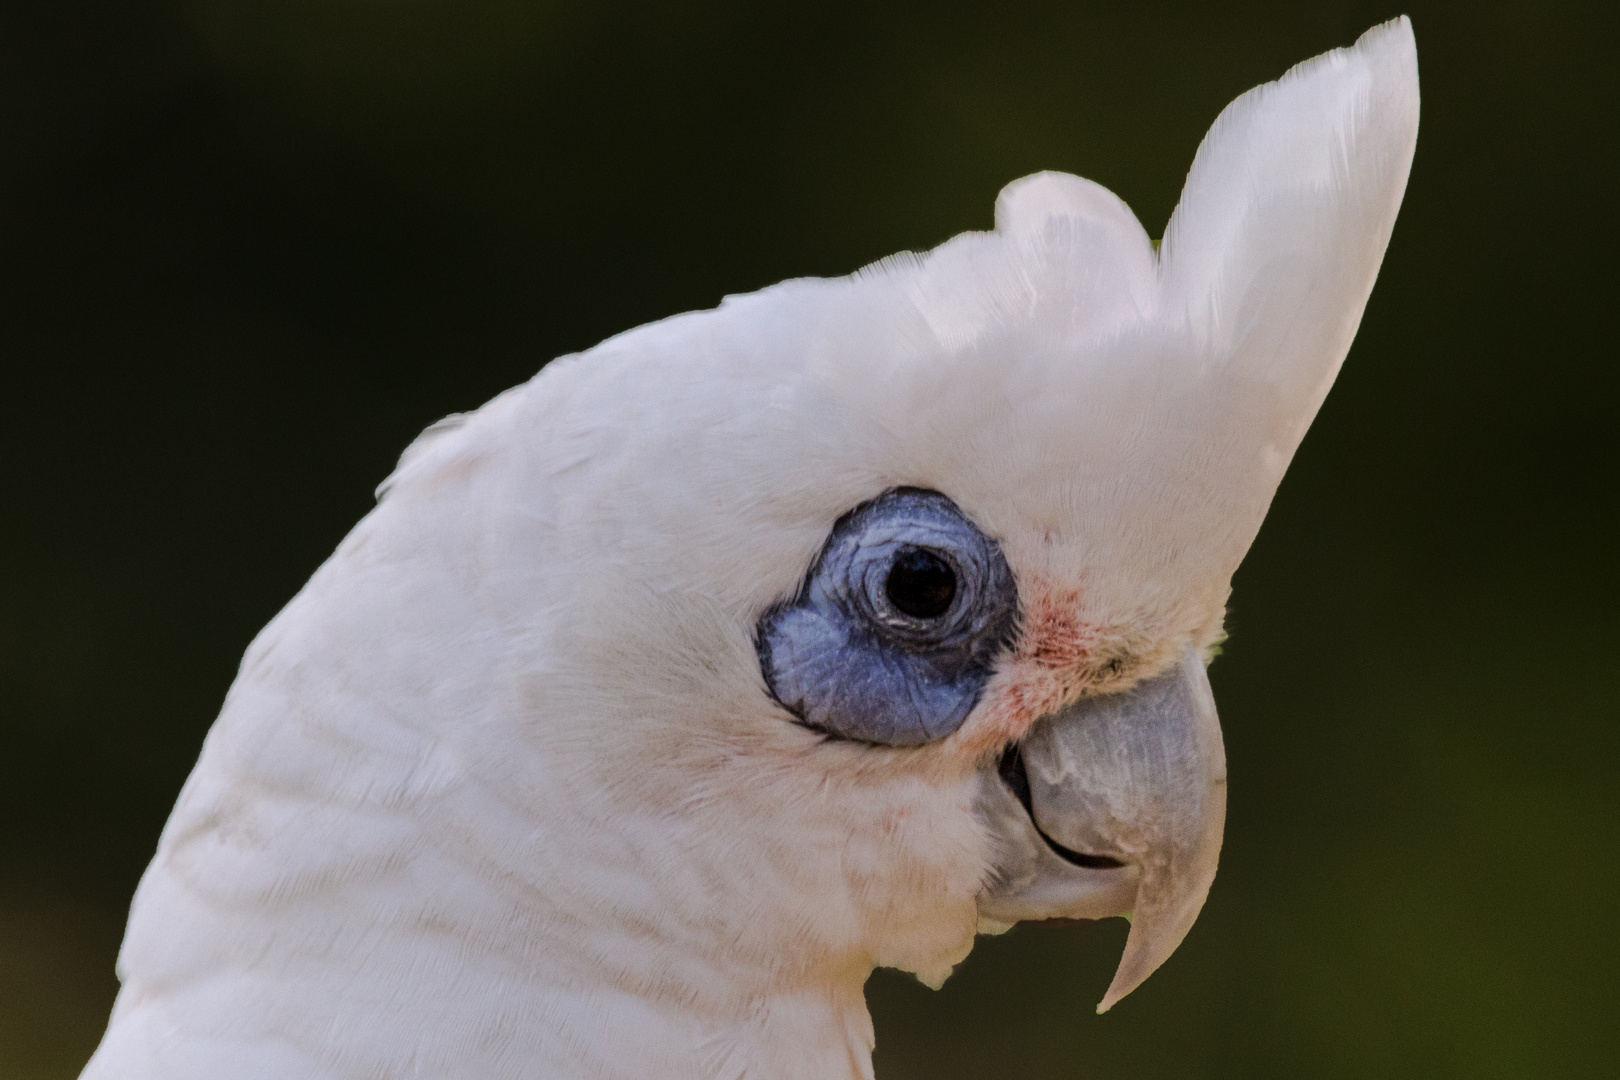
x,y
501,793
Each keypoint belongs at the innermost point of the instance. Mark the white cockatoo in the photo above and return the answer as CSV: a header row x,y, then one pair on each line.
x,y
665,696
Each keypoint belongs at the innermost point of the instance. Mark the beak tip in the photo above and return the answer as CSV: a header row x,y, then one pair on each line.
x,y
1118,989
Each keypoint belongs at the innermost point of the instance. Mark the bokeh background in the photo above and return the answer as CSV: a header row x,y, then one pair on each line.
x,y
249,249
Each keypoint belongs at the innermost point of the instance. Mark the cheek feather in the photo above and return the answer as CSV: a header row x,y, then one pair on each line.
x,y
1055,660
1055,637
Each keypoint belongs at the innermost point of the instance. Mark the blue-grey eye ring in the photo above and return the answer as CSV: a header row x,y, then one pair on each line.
x,y
895,630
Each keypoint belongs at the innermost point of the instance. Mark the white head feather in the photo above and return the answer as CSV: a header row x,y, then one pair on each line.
x,y
500,794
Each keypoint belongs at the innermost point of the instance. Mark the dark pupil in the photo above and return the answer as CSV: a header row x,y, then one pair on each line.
x,y
921,584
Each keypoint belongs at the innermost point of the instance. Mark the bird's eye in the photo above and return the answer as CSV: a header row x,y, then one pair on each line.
x,y
920,583
895,630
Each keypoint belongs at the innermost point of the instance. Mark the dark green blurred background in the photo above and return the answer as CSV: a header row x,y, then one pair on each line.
x,y
248,250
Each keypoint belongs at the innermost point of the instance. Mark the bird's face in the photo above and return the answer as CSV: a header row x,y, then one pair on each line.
x,y
884,603
877,716
1107,795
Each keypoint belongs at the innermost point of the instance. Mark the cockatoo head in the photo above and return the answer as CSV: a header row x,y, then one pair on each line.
x,y
761,646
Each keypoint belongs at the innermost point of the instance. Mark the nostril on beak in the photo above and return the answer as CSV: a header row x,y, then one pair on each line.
x,y
1013,774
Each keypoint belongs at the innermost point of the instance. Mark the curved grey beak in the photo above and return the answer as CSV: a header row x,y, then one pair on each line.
x,y
1115,806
